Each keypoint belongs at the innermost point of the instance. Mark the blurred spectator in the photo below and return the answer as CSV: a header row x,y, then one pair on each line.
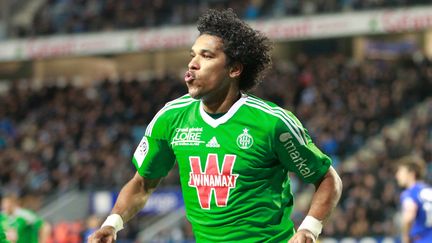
x,y
93,223
67,232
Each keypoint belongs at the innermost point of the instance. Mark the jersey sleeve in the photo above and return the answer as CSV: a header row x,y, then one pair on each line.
x,y
410,195
37,225
154,158
405,195
296,151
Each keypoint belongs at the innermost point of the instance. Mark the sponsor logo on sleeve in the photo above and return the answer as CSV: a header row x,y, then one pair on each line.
x,y
284,137
299,161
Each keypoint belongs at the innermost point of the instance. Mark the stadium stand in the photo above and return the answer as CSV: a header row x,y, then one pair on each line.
x,y
370,193
78,16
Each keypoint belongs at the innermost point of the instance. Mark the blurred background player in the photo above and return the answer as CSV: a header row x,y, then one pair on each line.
x,y
92,224
22,225
416,200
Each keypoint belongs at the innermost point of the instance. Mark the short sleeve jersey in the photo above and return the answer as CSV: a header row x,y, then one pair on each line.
x,y
421,195
233,169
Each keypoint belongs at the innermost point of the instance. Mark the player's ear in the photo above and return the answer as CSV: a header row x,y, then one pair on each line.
x,y
235,70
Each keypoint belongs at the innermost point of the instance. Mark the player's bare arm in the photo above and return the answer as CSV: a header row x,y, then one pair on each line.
x,y
133,196
409,212
326,196
324,200
130,201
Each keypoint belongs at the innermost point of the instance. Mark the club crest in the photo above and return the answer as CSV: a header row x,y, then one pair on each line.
x,y
245,140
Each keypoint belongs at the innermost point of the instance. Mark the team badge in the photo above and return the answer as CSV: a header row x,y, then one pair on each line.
x,y
245,140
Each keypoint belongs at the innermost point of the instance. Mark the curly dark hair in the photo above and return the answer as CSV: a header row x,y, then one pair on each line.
x,y
241,44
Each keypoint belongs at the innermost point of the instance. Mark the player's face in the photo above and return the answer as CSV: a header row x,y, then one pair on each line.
x,y
208,75
403,176
7,206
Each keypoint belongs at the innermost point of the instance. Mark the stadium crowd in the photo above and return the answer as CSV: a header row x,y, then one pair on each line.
x,y
63,137
77,16
371,196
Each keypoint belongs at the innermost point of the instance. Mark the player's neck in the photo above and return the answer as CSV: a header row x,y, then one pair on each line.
x,y
221,103
411,183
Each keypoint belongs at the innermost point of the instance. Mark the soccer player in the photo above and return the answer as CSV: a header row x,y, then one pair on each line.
x,y
21,225
416,201
233,150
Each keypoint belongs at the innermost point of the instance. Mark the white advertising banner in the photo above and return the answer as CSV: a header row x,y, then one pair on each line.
x,y
296,28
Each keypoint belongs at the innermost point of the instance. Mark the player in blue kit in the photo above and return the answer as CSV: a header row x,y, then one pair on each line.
x,y
416,201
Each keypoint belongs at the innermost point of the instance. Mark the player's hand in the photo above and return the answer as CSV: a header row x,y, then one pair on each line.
x,y
11,235
303,236
103,235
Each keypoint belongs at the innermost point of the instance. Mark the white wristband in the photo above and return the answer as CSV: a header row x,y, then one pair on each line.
x,y
115,221
312,224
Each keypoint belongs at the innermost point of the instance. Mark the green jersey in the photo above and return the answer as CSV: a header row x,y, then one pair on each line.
x,y
233,169
24,223
3,236
3,227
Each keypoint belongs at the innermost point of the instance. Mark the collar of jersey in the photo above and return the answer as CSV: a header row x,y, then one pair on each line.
x,y
216,122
